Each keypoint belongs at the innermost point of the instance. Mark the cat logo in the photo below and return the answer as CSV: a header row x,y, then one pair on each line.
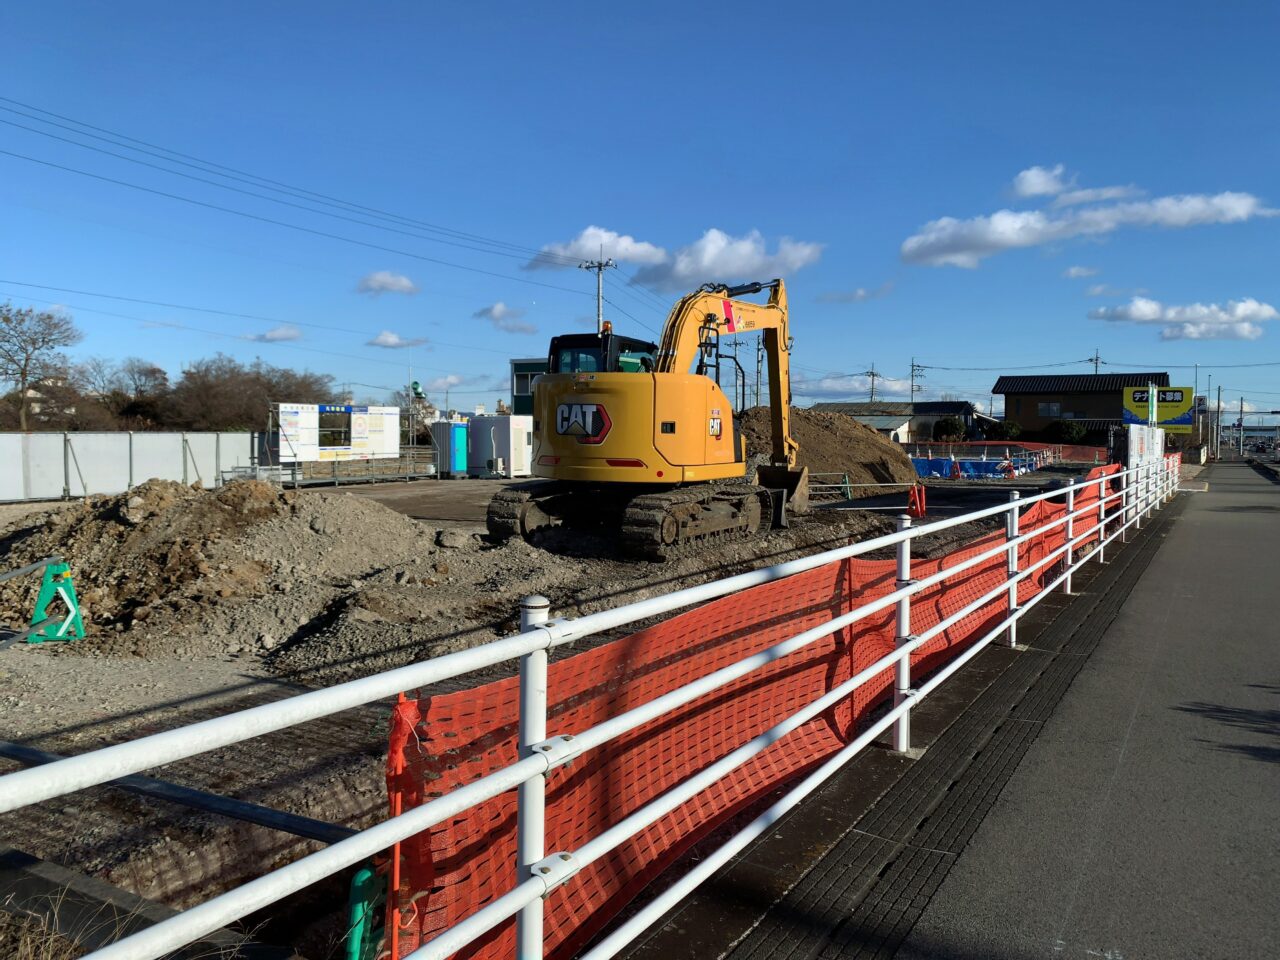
x,y
586,421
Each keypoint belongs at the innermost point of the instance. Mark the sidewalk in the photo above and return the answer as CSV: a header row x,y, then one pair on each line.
x,y
1143,820
1107,791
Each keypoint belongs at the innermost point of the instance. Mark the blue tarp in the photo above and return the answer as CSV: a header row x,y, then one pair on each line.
x,y
945,467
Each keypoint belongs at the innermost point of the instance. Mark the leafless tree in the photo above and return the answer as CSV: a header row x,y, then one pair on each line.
x,y
98,377
142,378
29,345
219,393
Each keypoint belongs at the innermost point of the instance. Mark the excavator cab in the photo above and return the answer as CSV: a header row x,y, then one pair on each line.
x,y
605,352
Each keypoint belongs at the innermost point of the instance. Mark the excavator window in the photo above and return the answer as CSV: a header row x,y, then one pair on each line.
x,y
606,353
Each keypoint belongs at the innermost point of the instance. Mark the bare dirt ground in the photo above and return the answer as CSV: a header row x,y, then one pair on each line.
x,y
201,602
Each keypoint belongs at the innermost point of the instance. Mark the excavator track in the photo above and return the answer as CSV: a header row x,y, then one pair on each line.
x,y
523,508
674,523
658,525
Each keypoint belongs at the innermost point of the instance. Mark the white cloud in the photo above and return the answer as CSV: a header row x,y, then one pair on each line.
x,y
278,334
393,341
385,281
948,241
857,295
1039,181
1095,195
718,257
1235,320
846,386
443,383
1106,290
1077,273
506,319
593,242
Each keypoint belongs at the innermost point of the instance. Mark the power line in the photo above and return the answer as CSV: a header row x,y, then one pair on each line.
x,y
288,203
220,313
207,166
1034,366
291,226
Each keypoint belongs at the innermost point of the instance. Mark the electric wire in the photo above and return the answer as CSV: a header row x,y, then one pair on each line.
x,y
417,235
291,226
241,176
221,313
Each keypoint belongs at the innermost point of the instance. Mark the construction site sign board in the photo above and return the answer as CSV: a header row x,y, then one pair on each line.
x,y
309,432
1174,407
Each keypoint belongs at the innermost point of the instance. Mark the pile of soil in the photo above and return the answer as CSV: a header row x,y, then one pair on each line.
x,y
322,587
171,570
832,443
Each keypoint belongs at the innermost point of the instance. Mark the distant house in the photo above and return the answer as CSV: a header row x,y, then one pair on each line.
x,y
905,422
523,372
1094,400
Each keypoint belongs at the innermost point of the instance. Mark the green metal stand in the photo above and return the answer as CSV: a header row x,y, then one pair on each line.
x,y
57,585
364,905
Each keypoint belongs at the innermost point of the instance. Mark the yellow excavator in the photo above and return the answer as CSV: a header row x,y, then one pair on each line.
x,y
640,437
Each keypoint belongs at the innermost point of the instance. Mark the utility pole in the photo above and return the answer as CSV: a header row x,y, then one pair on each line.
x,y
1207,392
872,375
1095,359
1240,438
599,266
1217,434
917,373
759,366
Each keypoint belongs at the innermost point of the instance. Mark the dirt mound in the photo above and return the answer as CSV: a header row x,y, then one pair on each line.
x,y
832,443
247,560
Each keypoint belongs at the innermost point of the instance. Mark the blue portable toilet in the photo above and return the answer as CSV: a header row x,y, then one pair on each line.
x,y
450,438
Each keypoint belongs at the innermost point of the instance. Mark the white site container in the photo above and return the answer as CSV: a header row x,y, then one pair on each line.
x,y
499,446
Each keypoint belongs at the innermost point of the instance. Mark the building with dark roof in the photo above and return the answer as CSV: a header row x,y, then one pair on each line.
x,y
903,421
1094,400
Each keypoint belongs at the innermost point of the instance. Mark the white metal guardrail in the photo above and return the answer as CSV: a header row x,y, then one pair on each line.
x,y
1143,489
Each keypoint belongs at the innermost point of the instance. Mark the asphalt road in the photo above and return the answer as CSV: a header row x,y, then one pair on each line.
x,y
1143,821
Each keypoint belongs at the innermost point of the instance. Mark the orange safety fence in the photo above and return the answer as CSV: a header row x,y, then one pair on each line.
x,y
440,743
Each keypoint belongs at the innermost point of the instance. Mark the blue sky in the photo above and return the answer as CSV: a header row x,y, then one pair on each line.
x,y
924,177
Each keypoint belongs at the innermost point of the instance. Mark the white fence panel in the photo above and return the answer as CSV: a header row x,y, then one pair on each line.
x,y
43,470
202,458
238,450
102,460
11,460
157,456
49,466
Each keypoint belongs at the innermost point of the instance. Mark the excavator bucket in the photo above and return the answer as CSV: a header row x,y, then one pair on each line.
x,y
794,485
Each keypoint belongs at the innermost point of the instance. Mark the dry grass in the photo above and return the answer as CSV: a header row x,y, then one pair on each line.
x,y
29,938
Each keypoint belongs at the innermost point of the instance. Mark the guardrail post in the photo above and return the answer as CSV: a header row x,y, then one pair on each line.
x,y
1011,532
902,669
531,797
1103,493
1071,532
1125,495
1138,507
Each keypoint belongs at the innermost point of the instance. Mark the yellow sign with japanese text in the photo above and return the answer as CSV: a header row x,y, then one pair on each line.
x,y
1173,407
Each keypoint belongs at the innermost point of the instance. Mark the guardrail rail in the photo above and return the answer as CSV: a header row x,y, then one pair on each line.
x,y
1117,503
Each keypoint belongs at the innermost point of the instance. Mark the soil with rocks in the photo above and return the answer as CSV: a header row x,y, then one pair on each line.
x,y
197,602
832,443
324,587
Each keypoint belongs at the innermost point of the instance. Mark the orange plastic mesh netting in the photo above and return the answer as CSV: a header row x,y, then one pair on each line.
x,y
443,742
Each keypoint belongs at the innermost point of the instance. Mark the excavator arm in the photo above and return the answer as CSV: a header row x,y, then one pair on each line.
x,y
714,311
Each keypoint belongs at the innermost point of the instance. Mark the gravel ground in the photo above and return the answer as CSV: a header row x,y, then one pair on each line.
x,y
202,602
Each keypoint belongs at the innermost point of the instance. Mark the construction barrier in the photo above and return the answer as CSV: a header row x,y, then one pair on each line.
x,y
57,589
440,743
